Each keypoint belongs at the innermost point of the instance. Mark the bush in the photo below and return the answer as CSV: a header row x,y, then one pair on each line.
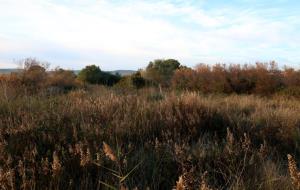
x,y
185,79
93,75
262,79
62,79
34,74
90,74
137,80
161,71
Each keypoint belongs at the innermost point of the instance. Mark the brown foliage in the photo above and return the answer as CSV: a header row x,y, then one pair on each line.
x,y
261,78
34,78
62,79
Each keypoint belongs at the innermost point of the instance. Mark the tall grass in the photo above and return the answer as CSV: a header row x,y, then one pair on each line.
x,y
91,139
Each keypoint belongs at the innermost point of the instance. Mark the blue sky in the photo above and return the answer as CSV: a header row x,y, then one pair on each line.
x,y
127,34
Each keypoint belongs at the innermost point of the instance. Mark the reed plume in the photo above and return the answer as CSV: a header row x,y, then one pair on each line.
x,y
109,152
294,173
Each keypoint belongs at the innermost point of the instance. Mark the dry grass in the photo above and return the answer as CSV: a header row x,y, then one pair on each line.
x,y
295,174
202,142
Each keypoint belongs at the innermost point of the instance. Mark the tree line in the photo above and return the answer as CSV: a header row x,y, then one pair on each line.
x,y
259,78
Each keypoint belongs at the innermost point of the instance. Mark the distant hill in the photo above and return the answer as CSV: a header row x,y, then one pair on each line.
x,y
7,71
121,72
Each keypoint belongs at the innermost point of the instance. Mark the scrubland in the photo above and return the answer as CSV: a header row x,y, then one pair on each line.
x,y
99,137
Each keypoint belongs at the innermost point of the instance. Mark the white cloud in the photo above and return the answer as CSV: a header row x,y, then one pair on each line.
x,y
140,31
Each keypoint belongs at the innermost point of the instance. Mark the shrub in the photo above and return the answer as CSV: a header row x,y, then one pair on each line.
x,y
90,74
160,71
185,79
268,78
137,80
108,79
34,73
93,75
291,77
262,79
62,79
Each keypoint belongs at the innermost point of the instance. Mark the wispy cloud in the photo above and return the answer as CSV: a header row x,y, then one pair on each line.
x,y
128,34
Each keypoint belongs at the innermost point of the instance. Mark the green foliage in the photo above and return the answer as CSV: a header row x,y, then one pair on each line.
x,y
108,79
161,71
93,75
125,83
90,74
130,82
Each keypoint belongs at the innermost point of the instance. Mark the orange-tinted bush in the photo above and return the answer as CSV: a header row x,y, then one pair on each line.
x,y
268,78
62,79
220,82
291,77
261,78
241,78
204,78
185,79
34,74
34,78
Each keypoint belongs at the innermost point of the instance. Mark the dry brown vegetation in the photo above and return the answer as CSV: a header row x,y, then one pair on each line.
x,y
261,79
57,142
105,138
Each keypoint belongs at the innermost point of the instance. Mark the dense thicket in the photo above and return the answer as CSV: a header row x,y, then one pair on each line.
x,y
261,78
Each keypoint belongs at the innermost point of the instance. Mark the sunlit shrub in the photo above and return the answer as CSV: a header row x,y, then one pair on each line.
x,y
62,79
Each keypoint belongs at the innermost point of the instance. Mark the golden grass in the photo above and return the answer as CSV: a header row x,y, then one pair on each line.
x,y
65,141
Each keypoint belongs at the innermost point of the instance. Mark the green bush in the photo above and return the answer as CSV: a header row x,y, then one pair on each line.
x,y
93,75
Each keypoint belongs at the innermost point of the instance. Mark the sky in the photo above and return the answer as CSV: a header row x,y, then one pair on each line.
x,y
127,34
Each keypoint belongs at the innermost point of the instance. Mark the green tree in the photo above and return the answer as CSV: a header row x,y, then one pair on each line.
x,y
160,71
108,79
90,74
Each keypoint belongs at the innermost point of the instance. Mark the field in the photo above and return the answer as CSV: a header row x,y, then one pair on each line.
x,y
149,95
105,138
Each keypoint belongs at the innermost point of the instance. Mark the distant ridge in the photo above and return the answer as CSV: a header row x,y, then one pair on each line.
x,y
121,72
7,71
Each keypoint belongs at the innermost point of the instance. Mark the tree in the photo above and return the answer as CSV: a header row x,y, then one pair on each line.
x,y
160,71
108,79
90,74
